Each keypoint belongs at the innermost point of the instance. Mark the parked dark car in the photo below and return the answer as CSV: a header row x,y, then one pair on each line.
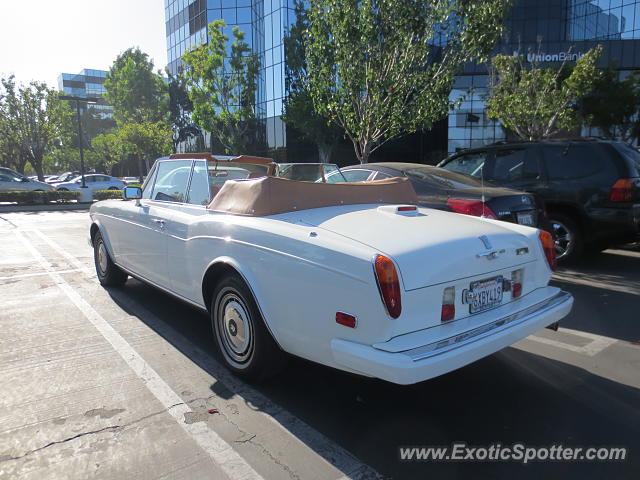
x,y
591,188
457,192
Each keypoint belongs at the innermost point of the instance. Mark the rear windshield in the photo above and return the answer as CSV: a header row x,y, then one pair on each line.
x,y
443,178
631,154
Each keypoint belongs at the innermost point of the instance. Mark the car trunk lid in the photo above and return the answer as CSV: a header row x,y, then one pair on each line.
x,y
429,246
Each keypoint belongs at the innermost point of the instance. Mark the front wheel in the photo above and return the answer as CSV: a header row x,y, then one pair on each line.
x,y
109,275
247,348
63,189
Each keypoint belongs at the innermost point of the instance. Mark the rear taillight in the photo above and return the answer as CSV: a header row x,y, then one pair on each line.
x,y
516,283
448,304
475,208
388,284
549,247
622,190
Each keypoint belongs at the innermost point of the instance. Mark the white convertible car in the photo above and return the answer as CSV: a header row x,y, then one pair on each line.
x,y
353,276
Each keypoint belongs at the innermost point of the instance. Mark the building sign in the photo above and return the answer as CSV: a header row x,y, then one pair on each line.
x,y
551,57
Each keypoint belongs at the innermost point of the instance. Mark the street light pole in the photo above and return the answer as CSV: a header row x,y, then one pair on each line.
x,y
80,142
87,100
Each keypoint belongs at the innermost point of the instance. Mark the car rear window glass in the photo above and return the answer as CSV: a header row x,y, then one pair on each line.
x,y
171,181
631,154
565,162
470,163
513,165
443,178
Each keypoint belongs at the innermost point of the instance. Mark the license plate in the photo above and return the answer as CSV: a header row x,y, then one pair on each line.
x,y
486,294
525,219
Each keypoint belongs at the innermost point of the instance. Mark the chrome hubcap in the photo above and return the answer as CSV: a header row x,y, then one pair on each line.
x,y
102,257
563,239
234,327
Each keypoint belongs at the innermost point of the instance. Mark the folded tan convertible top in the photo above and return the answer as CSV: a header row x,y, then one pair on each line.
x,y
271,195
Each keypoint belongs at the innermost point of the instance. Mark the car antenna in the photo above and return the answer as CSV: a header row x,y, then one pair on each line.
x,y
482,184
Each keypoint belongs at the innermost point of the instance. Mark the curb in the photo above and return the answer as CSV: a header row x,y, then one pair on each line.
x,y
44,208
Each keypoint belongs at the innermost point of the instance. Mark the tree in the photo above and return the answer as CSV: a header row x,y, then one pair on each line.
x,y
614,105
137,93
180,111
537,102
223,90
33,122
383,68
298,106
109,148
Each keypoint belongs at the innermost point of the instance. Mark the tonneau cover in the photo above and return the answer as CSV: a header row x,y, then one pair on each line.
x,y
272,195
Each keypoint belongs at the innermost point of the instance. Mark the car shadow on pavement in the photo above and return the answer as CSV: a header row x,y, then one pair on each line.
x,y
606,289
509,397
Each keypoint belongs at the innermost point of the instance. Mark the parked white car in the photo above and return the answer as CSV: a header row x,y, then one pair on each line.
x,y
93,182
353,276
11,181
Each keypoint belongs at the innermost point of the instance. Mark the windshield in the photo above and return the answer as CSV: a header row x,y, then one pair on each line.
x,y
443,178
310,172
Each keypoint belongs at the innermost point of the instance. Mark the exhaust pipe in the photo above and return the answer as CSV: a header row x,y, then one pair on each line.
x,y
554,326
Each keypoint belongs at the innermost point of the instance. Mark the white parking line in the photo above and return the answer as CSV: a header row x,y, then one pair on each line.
x,y
597,344
220,451
26,275
77,263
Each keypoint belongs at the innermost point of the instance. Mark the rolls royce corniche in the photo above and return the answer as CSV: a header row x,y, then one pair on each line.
x,y
354,276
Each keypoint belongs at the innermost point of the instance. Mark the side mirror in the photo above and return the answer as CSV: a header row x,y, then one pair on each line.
x,y
132,193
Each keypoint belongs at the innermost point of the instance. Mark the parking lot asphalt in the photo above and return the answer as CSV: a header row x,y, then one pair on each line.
x,y
125,383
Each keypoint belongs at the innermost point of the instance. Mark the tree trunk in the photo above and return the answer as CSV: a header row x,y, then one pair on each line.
x,y
36,163
365,152
140,165
324,152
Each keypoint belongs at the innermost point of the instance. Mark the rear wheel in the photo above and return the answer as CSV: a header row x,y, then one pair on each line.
x,y
246,346
113,188
63,189
108,272
568,237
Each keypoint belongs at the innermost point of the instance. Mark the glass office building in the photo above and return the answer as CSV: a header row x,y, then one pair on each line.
x,y
264,23
87,83
550,30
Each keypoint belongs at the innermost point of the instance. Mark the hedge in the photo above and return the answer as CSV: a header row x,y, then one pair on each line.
x,y
38,197
107,194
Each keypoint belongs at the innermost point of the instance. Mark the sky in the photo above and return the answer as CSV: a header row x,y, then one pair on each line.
x,y
40,39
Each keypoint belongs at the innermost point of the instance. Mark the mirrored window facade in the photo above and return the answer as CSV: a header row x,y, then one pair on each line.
x,y
547,30
87,83
264,23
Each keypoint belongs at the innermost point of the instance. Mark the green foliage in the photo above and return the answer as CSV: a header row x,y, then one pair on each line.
x,y
181,111
614,105
33,122
298,106
537,102
384,68
21,197
223,90
137,93
109,148
144,141
107,194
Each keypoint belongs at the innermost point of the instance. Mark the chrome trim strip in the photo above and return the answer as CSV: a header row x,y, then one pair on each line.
x,y
456,341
